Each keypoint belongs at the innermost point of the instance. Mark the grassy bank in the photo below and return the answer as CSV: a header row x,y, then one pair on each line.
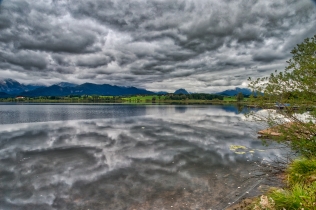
x,y
300,193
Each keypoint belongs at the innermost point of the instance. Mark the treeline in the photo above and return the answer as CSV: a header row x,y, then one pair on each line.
x,y
83,98
99,98
80,97
194,96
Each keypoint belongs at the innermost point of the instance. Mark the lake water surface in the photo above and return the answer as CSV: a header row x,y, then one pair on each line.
x,y
116,156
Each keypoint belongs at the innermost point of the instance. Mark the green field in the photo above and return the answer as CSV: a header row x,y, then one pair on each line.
x,y
230,98
233,99
144,99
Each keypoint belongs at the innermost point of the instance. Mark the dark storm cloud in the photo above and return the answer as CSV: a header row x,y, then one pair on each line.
x,y
60,60
269,56
57,43
4,23
94,61
159,45
26,59
35,27
65,70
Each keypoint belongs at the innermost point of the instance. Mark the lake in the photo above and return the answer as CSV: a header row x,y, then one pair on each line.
x,y
118,156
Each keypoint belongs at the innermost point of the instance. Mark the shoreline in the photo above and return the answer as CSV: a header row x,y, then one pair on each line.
x,y
173,102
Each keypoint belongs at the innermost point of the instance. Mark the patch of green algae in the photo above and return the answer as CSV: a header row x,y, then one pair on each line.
x,y
236,147
240,150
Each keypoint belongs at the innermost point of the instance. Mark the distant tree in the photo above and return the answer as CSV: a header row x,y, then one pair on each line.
x,y
240,97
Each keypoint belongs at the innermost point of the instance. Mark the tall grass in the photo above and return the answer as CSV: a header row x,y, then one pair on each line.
x,y
300,194
296,197
302,171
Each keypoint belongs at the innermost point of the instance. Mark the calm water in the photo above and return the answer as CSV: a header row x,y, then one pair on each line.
x,y
125,156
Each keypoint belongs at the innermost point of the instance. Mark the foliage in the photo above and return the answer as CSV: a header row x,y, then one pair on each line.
x,y
302,171
229,98
297,197
194,96
293,94
69,98
130,99
144,98
288,101
239,97
300,192
298,81
234,98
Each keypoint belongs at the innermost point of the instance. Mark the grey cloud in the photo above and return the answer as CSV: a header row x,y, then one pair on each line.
x,y
151,42
83,76
103,72
36,28
94,61
58,42
269,55
224,83
65,70
26,59
183,73
4,23
60,60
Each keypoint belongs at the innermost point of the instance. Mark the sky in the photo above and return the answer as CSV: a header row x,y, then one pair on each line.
x,y
160,45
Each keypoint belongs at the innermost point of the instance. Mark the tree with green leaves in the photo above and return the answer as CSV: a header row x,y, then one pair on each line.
x,y
288,100
240,97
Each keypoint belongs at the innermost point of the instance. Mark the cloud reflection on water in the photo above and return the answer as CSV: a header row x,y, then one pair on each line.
x,y
163,158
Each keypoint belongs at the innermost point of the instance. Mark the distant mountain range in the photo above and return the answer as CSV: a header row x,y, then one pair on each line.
x,y
244,91
66,84
11,88
4,95
85,89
